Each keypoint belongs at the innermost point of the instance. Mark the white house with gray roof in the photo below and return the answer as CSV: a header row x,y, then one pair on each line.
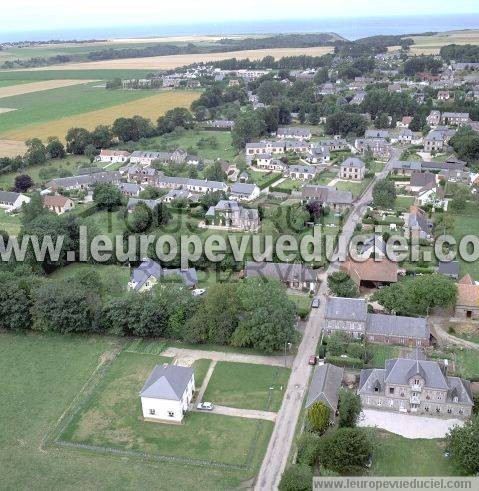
x,y
167,393
353,168
415,385
12,201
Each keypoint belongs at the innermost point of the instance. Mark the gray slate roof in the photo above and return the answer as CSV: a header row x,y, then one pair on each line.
x,y
150,268
242,188
325,385
282,271
395,325
449,268
167,382
350,309
8,197
400,370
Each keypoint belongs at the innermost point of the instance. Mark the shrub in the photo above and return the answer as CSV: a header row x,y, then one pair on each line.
x,y
308,448
345,362
296,478
318,416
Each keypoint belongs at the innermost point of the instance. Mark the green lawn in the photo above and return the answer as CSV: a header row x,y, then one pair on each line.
x,y
381,353
356,188
48,105
303,302
467,223
467,363
189,140
247,386
10,223
200,367
398,456
376,167
114,277
325,177
403,202
112,418
42,173
41,374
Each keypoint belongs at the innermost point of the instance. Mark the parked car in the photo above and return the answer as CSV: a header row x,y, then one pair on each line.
x,y
315,303
205,406
313,359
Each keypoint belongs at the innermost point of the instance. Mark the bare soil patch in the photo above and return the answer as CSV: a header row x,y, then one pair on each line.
x,y
12,148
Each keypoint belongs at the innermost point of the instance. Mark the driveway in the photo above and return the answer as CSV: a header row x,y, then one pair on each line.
x,y
242,413
408,425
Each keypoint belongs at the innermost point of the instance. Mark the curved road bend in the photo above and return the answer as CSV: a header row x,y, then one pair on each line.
x,y
279,446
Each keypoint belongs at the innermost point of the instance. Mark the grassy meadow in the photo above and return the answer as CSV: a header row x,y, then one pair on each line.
x,y
41,374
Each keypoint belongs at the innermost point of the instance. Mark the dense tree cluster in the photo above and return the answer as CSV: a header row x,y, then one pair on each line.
x,y
466,53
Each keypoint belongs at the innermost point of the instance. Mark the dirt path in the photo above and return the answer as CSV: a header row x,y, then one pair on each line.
x,y
444,337
192,354
206,381
244,413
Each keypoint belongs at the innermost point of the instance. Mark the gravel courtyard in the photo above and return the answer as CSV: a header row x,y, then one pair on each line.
x,y
408,425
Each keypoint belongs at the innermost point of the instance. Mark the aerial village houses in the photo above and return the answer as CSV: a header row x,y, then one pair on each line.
x,y
350,315
337,200
57,203
10,201
194,185
414,385
301,172
467,305
244,192
85,181
324,387
167,393
296,276
352,168
114,156
294,133
230,214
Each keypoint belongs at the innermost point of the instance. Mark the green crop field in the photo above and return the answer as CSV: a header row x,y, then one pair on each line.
x,y
48,105
100,74
41,374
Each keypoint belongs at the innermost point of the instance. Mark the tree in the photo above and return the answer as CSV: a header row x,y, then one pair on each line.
x,y
267,320
77,140
318,416
140,218
296,478
174,118
33,209
382,121
214,172
65,306
107,196
23,183
315,209
55,148
349,408
308,448
15,305
248,126
415,296
341,285
345,124
125,129
337,343
384,194
102,136
36,152
462,443
161,215
345,450
460,197
91,152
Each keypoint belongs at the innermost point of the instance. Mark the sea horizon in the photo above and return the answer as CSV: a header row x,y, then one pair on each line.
x,y
348,27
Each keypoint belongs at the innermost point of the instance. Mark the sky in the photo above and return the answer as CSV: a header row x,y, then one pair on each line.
x,y
25,15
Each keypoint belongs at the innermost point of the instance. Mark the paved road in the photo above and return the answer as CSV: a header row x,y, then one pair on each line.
x,y
279,446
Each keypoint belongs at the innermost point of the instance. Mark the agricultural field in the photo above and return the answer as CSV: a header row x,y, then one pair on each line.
x,y
63,364
110,418
12,148
174,61
247,386
32,75
430,45
29,87
53,112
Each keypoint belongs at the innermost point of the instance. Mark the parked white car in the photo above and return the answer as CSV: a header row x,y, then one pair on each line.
x,y
205,406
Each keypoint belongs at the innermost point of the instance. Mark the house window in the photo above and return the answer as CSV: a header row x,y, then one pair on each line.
x,y
461,411
171,414
438,410
391,390
455,399
152,412
449,411
376,389
426,409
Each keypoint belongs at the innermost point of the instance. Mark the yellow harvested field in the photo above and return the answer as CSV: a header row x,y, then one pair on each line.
x,y
11,90
175,61
430,45
149,107
7,109
12,148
